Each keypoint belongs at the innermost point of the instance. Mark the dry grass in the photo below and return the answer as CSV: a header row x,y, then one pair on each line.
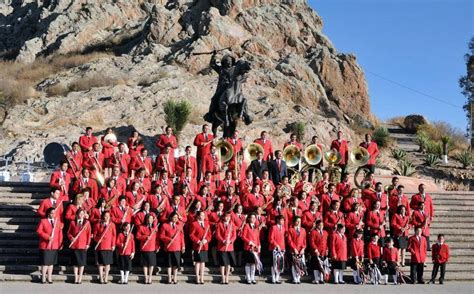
x,y
18,80
148,80
397,120
94,81
438,129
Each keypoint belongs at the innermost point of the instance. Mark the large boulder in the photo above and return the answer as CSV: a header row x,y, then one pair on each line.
x,y
413,121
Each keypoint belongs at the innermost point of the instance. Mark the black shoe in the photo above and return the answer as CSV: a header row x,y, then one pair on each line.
x,y
254,282
441,282
43,282
322,282
421,282
278,282
50,282
431,282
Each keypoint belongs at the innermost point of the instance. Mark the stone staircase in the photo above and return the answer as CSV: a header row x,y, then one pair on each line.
x,y
404,140
19,253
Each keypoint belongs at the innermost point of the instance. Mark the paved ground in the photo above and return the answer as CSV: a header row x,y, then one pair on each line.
x,y
13,287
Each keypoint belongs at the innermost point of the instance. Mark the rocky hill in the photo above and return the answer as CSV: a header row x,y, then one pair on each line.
x,y
153,53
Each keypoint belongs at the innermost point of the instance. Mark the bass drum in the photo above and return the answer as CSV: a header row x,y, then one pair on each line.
x,y
53,153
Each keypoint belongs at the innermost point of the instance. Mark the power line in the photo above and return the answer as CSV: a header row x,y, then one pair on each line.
x,y
414,90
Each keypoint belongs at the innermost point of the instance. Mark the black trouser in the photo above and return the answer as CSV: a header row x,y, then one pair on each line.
x,y
416,272
442,267
199,161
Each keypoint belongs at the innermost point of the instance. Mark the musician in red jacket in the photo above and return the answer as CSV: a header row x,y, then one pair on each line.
x,y
276,244
318,244
122,213
61,179
172,237
203,143
297,247
167,139
135,144
400,227
344,187
148,237
108,149
422,196
50,232
440,256
159,202
74,158
226,233
94,161
84,181
166,184
390,261
135,197
125,251
105,239
144,183
396,199
342,147
87,140
338,250
120,180
373,150
266,144
236,143
212,163
186,161
329,197
79,234
72,208
251,238
121,159
141,161
420,218
200,235
110,193
139,217
175,208
417,248
375,221
166,162
311,215
357,255
55,201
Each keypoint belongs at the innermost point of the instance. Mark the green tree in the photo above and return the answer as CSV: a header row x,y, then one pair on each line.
x,y
177,114
466,82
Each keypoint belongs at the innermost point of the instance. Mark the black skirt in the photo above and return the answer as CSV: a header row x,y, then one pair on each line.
x,y
226,258
79,257
125,263
248,256
340,265
104,257
391,268
49,257
202,256
401,242
148,258
238,245
174,258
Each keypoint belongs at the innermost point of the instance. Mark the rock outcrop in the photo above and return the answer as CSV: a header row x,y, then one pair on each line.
x,y
159,52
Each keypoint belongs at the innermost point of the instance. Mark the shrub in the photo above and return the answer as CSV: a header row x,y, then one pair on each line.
x,y
381,137
177,114
298,129
437,130
399,154
434,148
446,142
422,140
405,168
431,160
465,158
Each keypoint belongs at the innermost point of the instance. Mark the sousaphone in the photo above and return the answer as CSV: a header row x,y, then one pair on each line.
x,y
250,153
291,155
225,150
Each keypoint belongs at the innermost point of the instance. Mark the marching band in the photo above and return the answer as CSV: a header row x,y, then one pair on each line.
x,y
234,206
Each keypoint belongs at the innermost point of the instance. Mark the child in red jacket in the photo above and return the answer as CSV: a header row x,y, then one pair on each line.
x,y
440,255
390,261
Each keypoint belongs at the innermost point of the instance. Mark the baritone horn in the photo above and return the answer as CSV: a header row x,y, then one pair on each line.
x,y
251,151
225,150
313,154
291,155
359,156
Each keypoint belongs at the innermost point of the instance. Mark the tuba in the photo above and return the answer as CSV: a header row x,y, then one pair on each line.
x,y
359,156
250,153
291,155
225,150
313,154
333,157
112,138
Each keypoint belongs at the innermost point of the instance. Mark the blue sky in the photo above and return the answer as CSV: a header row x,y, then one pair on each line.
x,y
419,44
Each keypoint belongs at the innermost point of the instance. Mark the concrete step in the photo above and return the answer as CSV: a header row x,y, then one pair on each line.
x,y
18,213
445,203
450,225
17,206
19,220
13,195
20,201
12,228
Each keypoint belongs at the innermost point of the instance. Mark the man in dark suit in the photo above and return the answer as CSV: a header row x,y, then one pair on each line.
x,y
258,165
278,168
